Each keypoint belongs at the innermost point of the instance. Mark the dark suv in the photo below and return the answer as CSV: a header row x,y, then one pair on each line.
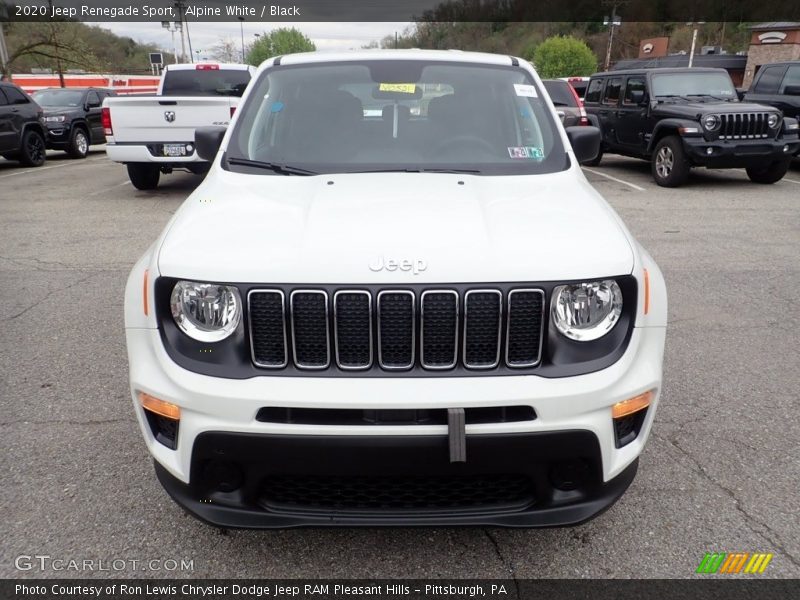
x,y
72,116
681,118
22,135
778,85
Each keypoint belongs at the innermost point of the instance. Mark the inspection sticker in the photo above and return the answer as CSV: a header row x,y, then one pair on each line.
x,y
526,152
523,89
400,88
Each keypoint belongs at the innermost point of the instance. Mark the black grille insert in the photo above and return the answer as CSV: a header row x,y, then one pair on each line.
x,y
353,338
439,342
396,329
268,328
410,416
482,313
524,338
310,329
293,493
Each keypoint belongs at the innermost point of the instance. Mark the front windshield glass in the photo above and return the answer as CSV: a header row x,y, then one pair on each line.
x,y
58,97
694,84
397,116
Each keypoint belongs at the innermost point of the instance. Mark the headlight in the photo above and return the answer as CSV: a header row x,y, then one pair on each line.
x,y
206,312
711,122
56,119
586,311
772,121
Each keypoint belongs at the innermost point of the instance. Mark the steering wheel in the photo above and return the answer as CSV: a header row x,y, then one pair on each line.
x,y
470,142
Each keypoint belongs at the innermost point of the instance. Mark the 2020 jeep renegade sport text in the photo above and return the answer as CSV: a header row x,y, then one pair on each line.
x,y
395,299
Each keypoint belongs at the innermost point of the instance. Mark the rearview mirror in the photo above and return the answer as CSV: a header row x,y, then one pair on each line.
x,y
585,141
792,90
207,140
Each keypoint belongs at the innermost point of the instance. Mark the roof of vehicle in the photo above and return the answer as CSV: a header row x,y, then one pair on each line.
x,y
456,56
780,63
193,66
77,89
660,70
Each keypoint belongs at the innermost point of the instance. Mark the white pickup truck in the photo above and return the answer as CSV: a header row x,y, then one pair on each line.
x,y
155,134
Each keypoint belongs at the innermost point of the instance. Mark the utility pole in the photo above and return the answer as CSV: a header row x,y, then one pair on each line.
x,y
172,28
241,29
694,40
3,52
182,20
613,22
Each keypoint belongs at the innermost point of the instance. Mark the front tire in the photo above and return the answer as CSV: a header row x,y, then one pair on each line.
x,y
669,165
144,176
78,143
769,174
33,152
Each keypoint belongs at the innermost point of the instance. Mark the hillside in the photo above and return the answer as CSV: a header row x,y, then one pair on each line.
x,y
68,46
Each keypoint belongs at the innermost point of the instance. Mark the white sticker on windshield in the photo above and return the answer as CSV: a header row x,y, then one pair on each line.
x,y
525,90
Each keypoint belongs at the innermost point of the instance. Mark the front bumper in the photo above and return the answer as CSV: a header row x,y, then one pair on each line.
x,y
58,137
739,153
218,419
512,480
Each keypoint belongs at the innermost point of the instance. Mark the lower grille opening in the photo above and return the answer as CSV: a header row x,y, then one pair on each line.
x,y
285,493
422,416
626,429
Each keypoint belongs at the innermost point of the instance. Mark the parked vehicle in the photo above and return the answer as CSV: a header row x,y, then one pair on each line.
x,y
681,118
566,101
578,84
72,116
155,135
419,315
778,85
22,135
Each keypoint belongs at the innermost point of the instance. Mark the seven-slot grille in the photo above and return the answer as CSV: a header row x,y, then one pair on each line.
x,y
396,329
742,126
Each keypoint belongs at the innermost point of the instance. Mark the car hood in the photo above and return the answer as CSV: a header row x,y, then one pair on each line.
x,y
419,227
695,109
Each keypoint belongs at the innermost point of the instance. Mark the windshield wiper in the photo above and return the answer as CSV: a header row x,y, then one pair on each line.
x,y
674,96
711,96
418,170
282,169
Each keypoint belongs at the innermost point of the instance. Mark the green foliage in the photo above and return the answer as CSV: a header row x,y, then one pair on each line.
x,y
564,56
277,43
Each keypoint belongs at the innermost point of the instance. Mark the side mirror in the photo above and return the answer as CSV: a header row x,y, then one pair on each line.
x,y
792,90
561,115
207,140
637,97
585,142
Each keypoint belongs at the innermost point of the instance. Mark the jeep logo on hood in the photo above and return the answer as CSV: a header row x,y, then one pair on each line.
x,y
414,265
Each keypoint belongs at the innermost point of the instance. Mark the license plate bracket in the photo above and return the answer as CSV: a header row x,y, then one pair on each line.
x,y
173,150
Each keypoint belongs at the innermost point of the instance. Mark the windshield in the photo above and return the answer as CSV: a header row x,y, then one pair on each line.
x,y
205,82
699,83
58,97
397,115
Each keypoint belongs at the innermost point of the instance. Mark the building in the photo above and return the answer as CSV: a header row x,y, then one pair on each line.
x,y
771,42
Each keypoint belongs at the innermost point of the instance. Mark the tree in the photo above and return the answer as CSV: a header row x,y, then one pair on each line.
x,y
226,50
563,56
278,42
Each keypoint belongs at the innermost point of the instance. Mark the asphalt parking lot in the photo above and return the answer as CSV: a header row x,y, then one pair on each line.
x,y
720,472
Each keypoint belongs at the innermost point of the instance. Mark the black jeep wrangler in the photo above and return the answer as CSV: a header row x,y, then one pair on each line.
x,y
681,118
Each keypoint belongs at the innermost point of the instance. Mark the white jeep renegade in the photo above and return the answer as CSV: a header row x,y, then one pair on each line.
x,y
395,299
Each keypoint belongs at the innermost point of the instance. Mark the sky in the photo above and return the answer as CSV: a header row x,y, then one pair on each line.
x,y
326,36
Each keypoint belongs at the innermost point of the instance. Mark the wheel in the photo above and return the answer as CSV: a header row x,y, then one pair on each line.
x,y
78,143
595,161
32,153
144,176
669,165
769,174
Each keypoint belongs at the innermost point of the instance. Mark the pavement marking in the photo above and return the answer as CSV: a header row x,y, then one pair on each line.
x,y
108,189
790,180
612,178
37,169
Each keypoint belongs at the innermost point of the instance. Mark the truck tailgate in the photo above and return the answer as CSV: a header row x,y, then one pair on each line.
x,y
166,118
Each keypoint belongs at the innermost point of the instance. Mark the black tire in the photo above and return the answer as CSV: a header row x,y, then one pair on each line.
x,y
78,146
769,174
668,163
144,176
595,161
33,152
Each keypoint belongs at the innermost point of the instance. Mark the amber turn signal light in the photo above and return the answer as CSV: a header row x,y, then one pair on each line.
x,y
160,407
631,405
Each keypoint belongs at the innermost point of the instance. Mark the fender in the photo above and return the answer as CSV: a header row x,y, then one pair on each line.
x,y
86,128
669,126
